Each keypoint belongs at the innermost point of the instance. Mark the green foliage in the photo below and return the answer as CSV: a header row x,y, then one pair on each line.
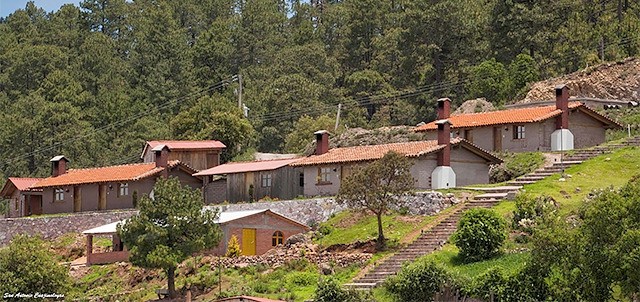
x,y
233,247
584,260
515,165
480,234
491,80
169,228
329,290
94,82
298,139
531,211
418,281
28,267
392,178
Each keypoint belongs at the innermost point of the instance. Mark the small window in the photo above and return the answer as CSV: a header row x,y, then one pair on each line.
x,y
266,180
324,175
301,179
518,132
58,194
123,189
277,238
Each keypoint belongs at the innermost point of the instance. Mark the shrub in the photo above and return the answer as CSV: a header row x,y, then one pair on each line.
x,y
418,281
480,234
329,290
233,248
490,285
530,211
27,266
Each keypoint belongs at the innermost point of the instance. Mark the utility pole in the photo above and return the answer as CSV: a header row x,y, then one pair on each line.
x,y
337,118
240,91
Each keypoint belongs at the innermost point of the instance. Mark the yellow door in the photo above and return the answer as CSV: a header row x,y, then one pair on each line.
x,y
248,242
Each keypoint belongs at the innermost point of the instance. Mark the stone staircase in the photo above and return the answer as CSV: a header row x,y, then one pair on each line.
x,y
429,240
434,238
574,158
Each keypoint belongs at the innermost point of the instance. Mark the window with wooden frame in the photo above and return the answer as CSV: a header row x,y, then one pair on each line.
x,y
518,132
277,238
58,194
123,189
265,180
324,175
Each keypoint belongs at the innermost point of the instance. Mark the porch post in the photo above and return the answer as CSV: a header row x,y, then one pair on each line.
x,y
89,248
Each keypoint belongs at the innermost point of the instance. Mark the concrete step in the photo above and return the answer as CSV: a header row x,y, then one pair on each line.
x,y
540,174
361,286
521,182
530,178
567,163
490,196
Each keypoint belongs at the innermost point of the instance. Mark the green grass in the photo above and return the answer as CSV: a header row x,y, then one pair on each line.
x,y
395,227
593,174
448,256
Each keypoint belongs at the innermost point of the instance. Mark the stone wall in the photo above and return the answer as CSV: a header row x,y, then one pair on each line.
x,y
316,210
307,211
54,226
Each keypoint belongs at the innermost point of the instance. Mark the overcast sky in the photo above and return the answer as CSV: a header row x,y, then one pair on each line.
x,y
9,6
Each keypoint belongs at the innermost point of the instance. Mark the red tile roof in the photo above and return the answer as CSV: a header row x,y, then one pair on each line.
x,y
512,116
183,145
251,166
121,173
19,183
370,152
373,152
187,145
23,184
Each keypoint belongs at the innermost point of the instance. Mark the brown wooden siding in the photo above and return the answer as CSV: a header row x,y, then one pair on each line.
x,y
285,184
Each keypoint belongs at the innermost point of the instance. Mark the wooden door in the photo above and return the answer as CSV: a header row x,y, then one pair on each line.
x,y
102,197
35,205
77,199
468,135
248,242
497,139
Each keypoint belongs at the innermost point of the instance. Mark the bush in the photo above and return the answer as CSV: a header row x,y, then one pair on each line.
x,y
26,266
530,211
480,234
515,165
418,281
329,290
233,248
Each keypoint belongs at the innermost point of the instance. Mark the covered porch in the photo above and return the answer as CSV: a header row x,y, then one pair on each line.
x,y
118,252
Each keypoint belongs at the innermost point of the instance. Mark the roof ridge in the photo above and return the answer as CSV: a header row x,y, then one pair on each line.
x,y
113,166
260,160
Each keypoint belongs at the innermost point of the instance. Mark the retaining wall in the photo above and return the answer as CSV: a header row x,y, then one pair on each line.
x,y
307,211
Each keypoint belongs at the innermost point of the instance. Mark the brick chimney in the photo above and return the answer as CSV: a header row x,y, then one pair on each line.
x,y
161,153
322,142
562,103
444,138
444,108
58,165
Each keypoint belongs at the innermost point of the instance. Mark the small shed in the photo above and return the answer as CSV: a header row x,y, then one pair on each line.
x,y
254,180
118,252
257,231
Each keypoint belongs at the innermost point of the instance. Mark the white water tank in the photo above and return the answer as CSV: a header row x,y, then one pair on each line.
x,y
443,177
561,140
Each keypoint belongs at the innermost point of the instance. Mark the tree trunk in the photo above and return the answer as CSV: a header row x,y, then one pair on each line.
x,y
380,242
171,282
